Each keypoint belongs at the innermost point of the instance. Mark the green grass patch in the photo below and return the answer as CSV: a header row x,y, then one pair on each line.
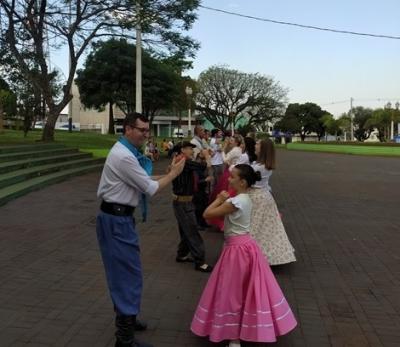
x,y
346,149
94,143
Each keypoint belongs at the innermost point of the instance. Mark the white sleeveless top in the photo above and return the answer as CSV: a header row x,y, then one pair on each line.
x,y
238,222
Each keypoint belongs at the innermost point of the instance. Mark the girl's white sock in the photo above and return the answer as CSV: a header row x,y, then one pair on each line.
x,y
234,343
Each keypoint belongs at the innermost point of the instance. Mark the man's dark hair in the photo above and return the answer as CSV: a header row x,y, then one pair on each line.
x,y
214,132
130,119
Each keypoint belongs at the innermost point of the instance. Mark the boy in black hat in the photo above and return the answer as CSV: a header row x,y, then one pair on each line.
x,y
191,246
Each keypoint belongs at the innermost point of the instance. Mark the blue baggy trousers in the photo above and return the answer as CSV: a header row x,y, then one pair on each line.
x,y
120,251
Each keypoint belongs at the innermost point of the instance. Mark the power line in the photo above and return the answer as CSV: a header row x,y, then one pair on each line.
x,y
360,100
335,102
300,25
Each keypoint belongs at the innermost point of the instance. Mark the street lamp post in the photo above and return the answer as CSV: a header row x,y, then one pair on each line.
x,y
397,105
232,116
189,93
389,107
351,120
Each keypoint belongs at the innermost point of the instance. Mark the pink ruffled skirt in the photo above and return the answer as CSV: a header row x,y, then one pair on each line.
x,y
242,299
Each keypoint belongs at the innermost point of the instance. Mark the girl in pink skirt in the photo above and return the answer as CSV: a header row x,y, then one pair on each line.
x,y
242,300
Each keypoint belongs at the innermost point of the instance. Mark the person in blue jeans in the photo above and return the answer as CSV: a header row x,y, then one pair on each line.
x,y
125,182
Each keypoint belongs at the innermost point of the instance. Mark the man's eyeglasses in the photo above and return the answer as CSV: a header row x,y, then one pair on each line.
x,y
142,130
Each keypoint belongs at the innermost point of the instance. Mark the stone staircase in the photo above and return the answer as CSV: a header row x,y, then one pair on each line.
x,y
26,168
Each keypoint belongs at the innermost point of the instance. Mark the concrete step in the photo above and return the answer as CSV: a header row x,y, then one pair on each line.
x,y
29,148
17,176
5,157
25,163
22,188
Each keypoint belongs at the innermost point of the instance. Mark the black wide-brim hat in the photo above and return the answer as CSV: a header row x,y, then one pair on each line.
x,y
183,144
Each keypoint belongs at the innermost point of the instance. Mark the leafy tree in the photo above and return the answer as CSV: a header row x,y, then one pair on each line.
x,y
31,28
30,103
7,102
108,78
362,129
332,126
162,86
345,123
381,119
225,95
303,119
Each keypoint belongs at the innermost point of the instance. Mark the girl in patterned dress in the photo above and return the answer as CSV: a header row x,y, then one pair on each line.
x,y
266,223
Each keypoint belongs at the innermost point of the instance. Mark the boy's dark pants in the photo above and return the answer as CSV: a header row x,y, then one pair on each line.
x,y
191,240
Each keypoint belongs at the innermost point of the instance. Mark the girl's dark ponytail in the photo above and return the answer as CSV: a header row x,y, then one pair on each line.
x,y
257,175
247,173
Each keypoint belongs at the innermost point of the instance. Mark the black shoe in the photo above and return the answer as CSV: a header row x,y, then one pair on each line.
x,y
204,268
140,325
134,343
137,343
186,259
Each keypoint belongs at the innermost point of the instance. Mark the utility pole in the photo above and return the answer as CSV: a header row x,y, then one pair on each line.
x,y
351,121
189,92
397,105
392,125
69,69
138,104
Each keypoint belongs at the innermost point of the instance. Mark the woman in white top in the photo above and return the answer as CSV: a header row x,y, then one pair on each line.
x,y
230,160
266,223
232,156
248,151
242,300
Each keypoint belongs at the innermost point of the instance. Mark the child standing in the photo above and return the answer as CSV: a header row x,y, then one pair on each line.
x,y
266,223
242,300
191,245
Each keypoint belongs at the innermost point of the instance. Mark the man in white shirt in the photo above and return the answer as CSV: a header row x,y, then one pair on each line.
x,y
200,198
197,140
125,178
217,160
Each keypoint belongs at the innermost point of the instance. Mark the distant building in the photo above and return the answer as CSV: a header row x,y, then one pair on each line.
x,y
164,125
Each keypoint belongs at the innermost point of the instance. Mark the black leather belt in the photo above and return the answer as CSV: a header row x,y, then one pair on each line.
x,y
116,209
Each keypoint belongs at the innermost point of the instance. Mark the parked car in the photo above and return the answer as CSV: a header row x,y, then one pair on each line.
x,y
178,133
66,127
39,125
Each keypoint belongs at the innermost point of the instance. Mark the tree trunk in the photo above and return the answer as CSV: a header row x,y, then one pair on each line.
x,y
1,117
48,131
111,129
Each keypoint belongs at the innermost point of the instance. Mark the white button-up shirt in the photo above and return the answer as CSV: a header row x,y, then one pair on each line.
x,y
123,179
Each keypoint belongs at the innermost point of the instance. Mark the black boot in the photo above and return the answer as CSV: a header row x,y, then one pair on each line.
x,y
125,333
140,325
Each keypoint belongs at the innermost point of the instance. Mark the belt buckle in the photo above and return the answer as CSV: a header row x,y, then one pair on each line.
x,y
119,210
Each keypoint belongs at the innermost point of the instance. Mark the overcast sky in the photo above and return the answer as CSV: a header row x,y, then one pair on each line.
x,y
316,66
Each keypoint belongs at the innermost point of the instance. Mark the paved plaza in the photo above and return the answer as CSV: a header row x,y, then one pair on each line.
x,y
342,214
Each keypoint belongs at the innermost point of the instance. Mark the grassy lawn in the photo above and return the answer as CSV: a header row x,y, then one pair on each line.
x,y
346,149
94,143
100,145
